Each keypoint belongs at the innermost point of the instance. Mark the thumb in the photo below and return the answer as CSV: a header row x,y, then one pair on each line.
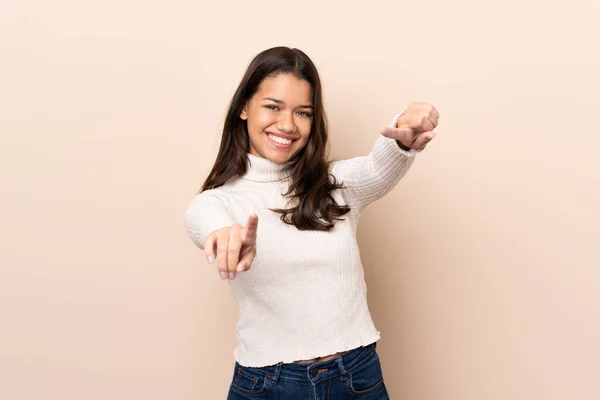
x,y
396,133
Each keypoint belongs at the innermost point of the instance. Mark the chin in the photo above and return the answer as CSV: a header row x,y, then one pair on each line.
x,y
278,156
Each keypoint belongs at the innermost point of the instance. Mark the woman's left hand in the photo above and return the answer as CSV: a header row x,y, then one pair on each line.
x,y
414,128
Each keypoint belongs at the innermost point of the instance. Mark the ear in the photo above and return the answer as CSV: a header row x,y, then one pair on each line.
x,y
244,113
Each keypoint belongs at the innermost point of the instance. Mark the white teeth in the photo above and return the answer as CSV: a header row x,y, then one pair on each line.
x,y
279,140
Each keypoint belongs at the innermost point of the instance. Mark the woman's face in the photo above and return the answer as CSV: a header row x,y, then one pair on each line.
x,y
279,117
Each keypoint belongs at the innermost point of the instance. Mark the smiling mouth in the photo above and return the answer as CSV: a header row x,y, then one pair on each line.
x,y
279,141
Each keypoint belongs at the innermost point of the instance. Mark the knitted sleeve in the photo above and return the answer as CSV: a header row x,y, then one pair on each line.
x,y
205,214
370,177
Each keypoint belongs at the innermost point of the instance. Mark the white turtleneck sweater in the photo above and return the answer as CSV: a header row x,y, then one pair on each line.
x,y
305,295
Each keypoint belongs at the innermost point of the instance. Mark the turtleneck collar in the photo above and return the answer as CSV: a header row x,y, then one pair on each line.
x,y
263,170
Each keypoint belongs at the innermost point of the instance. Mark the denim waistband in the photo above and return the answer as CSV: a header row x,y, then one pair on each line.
x,y
318,370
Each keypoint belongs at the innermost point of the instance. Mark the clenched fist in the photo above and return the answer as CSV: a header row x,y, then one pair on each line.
x,y
235,246
414,128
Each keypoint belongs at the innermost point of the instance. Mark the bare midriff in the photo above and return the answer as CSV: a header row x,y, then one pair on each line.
x,y
318,359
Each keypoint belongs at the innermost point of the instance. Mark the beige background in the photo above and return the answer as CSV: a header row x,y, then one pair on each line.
x,y
482,265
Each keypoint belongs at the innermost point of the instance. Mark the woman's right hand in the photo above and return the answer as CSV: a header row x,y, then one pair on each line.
x,y
235,247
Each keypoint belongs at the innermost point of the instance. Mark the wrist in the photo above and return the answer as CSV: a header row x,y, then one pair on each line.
x,y
403,147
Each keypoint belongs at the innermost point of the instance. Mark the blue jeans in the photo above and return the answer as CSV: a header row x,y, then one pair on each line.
x,y
355,374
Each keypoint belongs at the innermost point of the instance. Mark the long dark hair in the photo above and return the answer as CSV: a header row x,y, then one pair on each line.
x,y
311,184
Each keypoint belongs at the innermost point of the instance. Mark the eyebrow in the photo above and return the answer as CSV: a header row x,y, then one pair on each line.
x,y
282,102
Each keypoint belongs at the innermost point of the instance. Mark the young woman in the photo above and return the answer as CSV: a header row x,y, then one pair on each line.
x,y
304,329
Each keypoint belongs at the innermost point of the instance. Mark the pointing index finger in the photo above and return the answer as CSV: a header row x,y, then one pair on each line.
x,y
251,228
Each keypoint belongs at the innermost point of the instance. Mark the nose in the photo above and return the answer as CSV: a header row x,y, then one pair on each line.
x,y
285,122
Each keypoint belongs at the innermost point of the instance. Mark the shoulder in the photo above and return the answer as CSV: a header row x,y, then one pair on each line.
x,y
209,198
334,167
